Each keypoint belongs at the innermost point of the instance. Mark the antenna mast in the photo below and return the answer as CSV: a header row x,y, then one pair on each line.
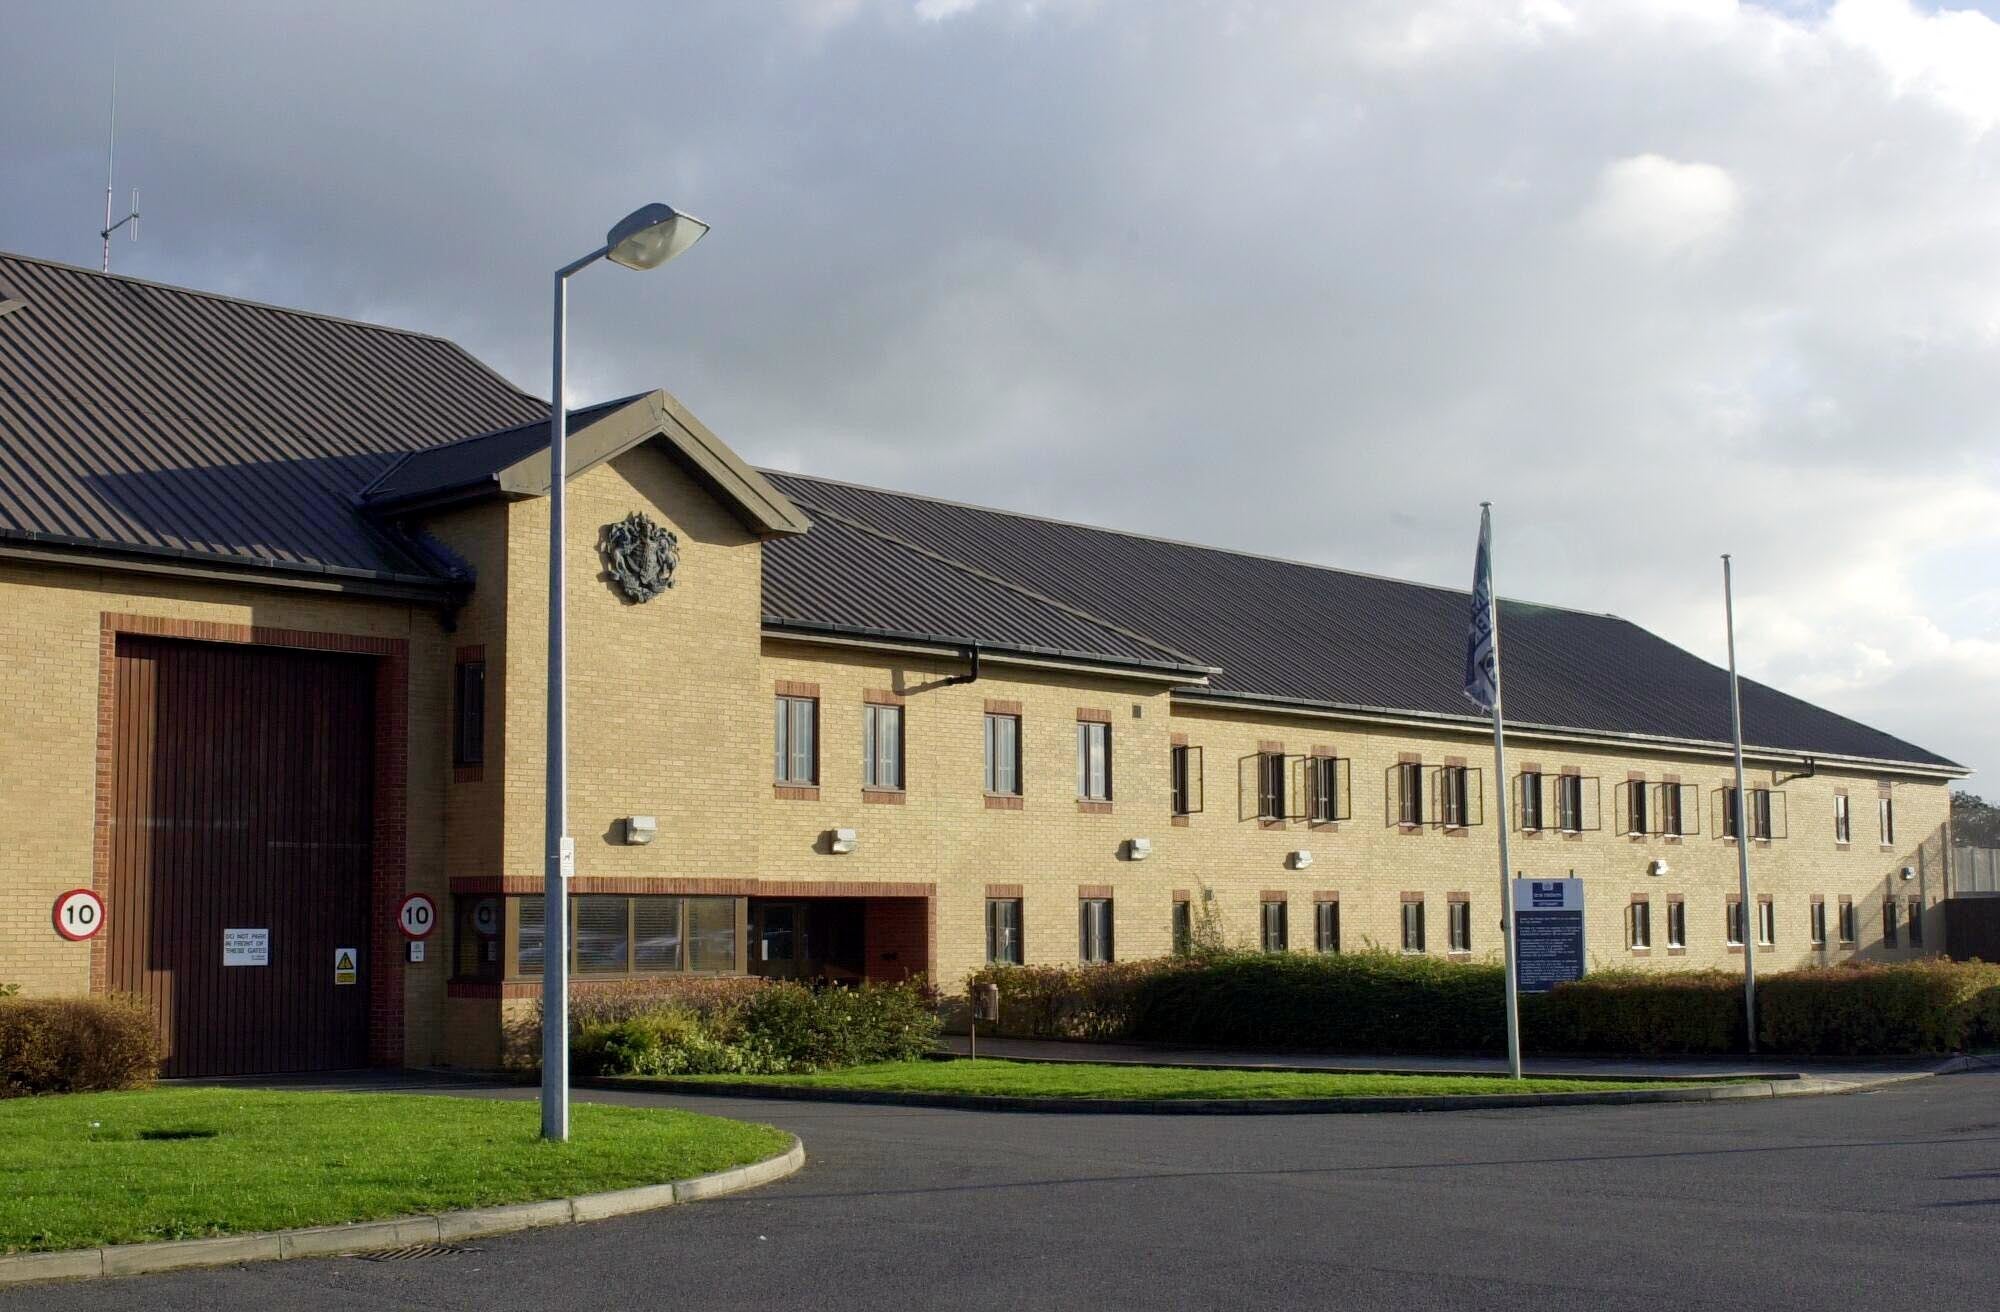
x,y
110,157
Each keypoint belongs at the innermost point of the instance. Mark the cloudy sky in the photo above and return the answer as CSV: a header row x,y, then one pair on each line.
x,y
1660,278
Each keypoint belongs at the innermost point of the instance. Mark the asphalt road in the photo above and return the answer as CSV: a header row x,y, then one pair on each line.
x,y
1879,1201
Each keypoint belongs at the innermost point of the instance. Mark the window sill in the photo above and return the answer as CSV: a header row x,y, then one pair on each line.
x,y
1003,802
1324,826
468,774
882,796
1640,952
1178,822
795,792
1839,846
1677,952
1405,827
1464,954
1269,822
1086,806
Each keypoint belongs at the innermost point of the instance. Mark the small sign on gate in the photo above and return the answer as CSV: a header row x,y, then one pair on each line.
x,y
345,969
246,947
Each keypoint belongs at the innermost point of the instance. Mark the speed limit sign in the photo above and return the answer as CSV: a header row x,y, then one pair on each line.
x,y
417,916
79,914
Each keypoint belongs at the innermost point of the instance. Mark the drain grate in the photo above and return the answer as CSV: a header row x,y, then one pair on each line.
x,y
414,1252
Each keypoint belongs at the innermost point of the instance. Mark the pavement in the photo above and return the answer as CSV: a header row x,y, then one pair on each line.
x,y
1836,1070
1881,1200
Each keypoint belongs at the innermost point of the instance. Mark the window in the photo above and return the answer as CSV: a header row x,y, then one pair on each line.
x,y
1762,809
1843,829
1847,922
1093,761
1413,924
1274,935
1818,928
1183,927
1672,816
1323,781
1729,813
619,935
1453,797
1569,803
1734,928
1458,924
1326,927
1889,934
1767,922
1885,815
1635,804
1760,813
1094,929
1003,755
1409,793
1639,926
1003,931
1186,779
1531,800
796,752
1916,922
468,724
1677,924
1270,785
476,940
881,746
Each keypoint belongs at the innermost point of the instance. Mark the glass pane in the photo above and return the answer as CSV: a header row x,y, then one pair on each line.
x,y
992,757
889,745
778,754
530,913
602,935
657,941
711,933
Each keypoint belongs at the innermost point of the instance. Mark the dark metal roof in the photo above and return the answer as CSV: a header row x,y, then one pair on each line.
x,y
154,419
1281,630
474,462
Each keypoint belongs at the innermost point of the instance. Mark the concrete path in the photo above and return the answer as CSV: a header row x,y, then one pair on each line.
x,y
1838,1070
1886,1201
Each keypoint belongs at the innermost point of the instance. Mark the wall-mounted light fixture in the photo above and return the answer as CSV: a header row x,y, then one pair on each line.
x,y
1301,859
1138,849
640,830
840,841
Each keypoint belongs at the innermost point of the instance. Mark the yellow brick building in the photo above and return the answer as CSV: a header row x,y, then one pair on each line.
x,y
275,605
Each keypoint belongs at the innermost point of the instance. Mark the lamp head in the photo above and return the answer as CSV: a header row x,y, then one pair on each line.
x,y
651,235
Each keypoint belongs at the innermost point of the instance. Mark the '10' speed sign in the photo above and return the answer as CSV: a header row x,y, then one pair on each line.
x,y
79,914
417,916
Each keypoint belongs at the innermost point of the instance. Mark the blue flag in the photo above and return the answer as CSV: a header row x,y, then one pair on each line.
x,y
1482,658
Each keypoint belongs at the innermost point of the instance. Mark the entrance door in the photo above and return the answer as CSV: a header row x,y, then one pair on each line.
x,y
241,810
819,938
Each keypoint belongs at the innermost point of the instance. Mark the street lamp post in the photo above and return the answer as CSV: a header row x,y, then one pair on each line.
x,y
644,239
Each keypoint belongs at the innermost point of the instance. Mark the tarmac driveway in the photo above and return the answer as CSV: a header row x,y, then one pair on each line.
x,y
1877,1200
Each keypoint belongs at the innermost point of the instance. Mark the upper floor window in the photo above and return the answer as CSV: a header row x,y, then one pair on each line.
x,y
1569,803
1270,785
1409,784
468,731
1843,826
881,746
1766,812
1186,781
1003,755
796,752
1323,787
1531,800
1675,813
1635,820
1093,761
1885,813
1454,801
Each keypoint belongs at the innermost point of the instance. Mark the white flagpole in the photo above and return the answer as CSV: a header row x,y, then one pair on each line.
x,y
1506,819
1746,906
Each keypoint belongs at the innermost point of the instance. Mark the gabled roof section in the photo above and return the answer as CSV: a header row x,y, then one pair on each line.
x,y
514,462
170,424
1283,632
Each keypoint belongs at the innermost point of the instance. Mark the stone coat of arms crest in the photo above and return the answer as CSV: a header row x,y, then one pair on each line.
x,y
640,556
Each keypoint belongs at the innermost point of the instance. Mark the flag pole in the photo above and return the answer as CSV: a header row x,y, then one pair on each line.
x,y
1492,618
1746,909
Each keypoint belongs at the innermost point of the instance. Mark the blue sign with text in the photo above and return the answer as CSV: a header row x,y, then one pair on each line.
x,y
1548,932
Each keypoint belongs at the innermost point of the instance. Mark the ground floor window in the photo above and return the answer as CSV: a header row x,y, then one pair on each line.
x,y
1818,922
1274,935
1847,922
1733,923
1413,924
1094,929
1326,927
613,934
1767,922
1916,922
1459,914
1889,934
1183,927
1003,931
1677,923
1639,926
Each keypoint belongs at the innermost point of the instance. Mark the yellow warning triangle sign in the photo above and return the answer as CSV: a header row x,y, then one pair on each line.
x,y
344,961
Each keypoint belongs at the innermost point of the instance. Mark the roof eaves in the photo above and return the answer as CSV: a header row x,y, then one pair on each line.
x,y
960,643
109,555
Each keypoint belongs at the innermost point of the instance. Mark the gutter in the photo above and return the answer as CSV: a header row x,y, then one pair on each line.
x,y
931,644
213,567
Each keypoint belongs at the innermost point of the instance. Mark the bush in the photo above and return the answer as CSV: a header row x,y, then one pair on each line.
x,y
1072,1002
773,1029
1650,1012
593,1003
1866,1008
75,1045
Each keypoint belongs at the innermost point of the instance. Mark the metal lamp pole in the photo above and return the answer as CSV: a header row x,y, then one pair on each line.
x,y
644,239
1746,908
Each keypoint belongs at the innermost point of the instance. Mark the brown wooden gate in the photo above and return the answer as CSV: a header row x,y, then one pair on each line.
x,y
241,801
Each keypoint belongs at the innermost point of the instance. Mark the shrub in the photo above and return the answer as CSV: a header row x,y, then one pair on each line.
x,y
1638,1011
614,1000
74,1045
775,1028
1073,1002
1369,1001
1868,1008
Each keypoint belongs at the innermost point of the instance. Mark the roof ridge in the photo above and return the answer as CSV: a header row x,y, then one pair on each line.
x,y
361,497
272,306
1183,542
1011,585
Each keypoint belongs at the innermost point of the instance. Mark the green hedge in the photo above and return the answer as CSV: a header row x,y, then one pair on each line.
x,y
774,1029
75,1045
1383,1001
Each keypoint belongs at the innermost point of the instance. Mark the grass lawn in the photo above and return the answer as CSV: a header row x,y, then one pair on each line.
x,y
1047,1080
80,1170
